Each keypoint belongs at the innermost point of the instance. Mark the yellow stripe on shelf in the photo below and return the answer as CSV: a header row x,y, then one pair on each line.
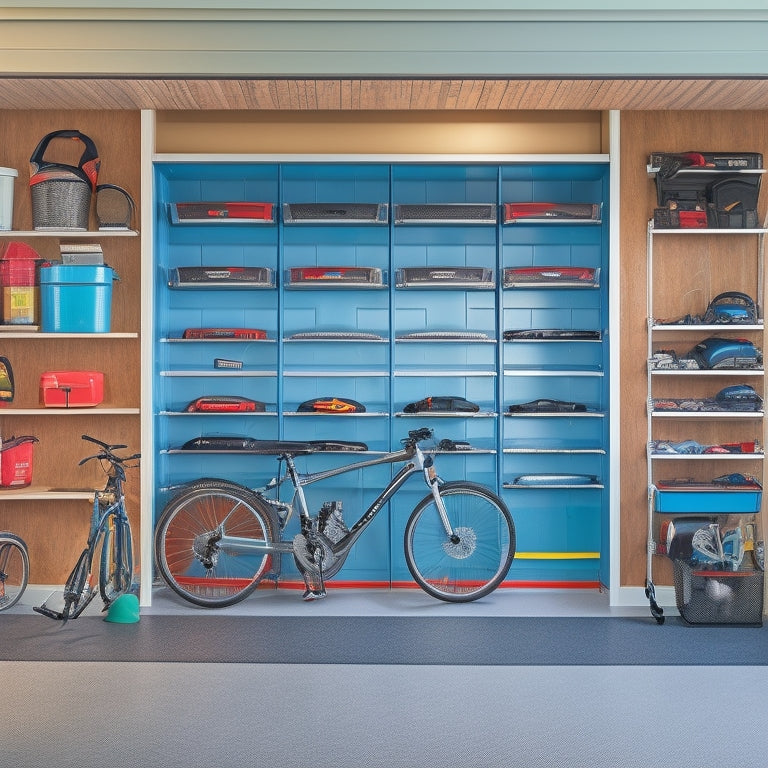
x,y
557,555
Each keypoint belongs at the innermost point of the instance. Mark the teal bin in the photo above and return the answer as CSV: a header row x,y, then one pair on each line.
x,y
76,298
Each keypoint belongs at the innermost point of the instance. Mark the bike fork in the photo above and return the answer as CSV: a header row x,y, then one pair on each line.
x,y
433,481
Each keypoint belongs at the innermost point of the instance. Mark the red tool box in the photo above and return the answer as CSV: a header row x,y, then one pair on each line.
x,y
71,389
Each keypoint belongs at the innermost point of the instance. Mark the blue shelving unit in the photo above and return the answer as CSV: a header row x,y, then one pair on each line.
x,y
422,233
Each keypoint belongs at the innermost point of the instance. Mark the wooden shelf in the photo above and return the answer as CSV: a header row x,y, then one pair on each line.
x,y
41,493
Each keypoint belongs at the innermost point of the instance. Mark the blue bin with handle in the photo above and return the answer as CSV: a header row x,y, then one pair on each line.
x,y
76,298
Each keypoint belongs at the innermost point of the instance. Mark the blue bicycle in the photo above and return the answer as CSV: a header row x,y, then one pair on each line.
x,y
109,542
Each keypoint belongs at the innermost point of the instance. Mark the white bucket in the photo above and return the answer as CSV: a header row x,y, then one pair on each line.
x,y
7,178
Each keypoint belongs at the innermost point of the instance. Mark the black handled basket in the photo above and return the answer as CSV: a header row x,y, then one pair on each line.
x,y
61,193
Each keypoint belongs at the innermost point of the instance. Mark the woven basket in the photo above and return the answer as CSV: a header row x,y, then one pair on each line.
x,y
61,194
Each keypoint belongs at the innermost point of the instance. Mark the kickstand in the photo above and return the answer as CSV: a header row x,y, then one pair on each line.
x,y
656,610
315,590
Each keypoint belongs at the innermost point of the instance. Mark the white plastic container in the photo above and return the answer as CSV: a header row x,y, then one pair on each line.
x,y
7,180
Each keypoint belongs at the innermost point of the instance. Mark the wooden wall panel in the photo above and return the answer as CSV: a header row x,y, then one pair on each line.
x,y
56,530
411,132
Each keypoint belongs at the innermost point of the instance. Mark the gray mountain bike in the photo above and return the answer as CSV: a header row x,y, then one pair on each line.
x,y
216,540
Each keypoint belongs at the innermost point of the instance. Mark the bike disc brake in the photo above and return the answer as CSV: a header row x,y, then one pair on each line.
x,y
464,544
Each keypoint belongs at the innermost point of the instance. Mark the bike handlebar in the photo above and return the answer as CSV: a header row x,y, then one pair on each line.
x,y
417,435
107,452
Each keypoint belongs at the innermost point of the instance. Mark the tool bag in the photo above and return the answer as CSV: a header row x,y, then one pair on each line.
x,y
61,193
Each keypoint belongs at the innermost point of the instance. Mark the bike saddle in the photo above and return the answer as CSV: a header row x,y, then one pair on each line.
x,y
337,445
248,445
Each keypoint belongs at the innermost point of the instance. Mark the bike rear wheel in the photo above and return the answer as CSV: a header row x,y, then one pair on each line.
x,y
14,569
116,571
188,543
476,560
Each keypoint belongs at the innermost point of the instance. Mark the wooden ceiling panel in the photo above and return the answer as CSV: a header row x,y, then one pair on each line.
x,y
295,94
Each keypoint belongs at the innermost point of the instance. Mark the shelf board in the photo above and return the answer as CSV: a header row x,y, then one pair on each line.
x,y
17,332
696,328
445,340
707,414
315,414
559,415
446,415
218,373
42,493
66,234
705,231
177,340
571,372
554,486
326,374
539,450
336,340
706,456
553,341
97,410
198,414
707,372
463,373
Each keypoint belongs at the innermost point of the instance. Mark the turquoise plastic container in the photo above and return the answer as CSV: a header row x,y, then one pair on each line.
x,y
76,298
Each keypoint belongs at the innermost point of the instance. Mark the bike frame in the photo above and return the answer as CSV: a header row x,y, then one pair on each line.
x,y
114,515
415,461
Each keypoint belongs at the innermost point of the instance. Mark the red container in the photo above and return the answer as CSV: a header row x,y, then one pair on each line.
x,y
19,280
71,389
16,461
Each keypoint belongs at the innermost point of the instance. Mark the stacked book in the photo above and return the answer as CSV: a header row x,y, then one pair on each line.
x,y
81,253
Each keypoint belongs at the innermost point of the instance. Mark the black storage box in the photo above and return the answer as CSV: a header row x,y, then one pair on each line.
x,y
722,186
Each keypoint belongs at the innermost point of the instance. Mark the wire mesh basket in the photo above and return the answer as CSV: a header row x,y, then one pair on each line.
x,y
718,597
61,193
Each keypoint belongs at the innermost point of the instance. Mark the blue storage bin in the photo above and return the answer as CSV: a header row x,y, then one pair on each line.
x,y
76,298
716,502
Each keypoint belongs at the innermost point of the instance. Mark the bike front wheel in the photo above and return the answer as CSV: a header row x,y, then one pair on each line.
x,y
473,561
14,569
209,543
116,571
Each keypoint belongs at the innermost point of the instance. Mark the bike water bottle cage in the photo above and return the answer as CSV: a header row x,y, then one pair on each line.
x,y
331,405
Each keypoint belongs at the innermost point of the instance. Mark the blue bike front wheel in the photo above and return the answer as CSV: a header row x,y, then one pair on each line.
x,y
472,559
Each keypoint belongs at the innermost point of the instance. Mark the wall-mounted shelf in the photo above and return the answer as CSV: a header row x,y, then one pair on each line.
x,y
389,303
